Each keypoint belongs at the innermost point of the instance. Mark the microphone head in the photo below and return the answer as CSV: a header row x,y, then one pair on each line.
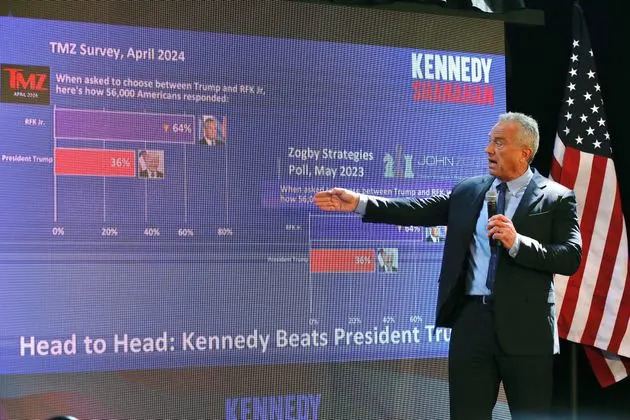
x,y
491,196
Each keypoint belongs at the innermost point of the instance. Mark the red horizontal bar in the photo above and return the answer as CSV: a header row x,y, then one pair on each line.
x,y
95,162
342,260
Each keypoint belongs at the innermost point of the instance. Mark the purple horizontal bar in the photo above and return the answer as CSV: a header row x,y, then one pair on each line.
x,y
128,126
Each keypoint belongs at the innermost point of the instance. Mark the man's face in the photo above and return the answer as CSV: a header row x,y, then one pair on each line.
x,y
435,231
152,160
507,159
210,129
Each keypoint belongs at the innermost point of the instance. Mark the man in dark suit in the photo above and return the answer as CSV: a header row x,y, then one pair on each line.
x,y
496,283
211,135
434,235
387,260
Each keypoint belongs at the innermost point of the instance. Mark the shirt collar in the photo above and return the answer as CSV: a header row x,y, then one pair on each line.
x,y
517,183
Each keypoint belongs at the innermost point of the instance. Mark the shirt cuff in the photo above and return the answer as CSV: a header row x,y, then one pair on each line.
x,y
362,206
517,243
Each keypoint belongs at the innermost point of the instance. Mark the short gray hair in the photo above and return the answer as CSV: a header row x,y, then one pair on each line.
x,y
527,135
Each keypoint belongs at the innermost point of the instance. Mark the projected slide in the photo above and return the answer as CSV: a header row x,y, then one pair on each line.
x,y
157,184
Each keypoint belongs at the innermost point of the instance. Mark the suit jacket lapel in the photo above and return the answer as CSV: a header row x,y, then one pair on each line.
x,y
532,195
480,196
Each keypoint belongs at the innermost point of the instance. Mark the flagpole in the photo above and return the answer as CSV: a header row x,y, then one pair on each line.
x,y
574,382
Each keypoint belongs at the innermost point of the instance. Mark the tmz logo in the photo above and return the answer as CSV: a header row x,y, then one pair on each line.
x,y
25,84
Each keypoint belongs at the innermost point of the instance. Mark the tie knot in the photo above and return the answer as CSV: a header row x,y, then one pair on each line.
x,y
502,187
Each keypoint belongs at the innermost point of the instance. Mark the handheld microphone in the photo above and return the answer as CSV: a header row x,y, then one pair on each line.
x,y
491,203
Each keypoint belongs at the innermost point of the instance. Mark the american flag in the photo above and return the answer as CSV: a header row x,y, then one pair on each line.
x,y
594,303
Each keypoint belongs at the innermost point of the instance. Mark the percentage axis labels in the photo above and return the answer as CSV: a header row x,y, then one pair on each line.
x,y
109,231
58,231
185,232
224,231
152,232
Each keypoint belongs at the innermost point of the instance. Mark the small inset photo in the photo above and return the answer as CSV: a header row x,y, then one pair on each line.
x,y
213,130
435,234
387,260
151,164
